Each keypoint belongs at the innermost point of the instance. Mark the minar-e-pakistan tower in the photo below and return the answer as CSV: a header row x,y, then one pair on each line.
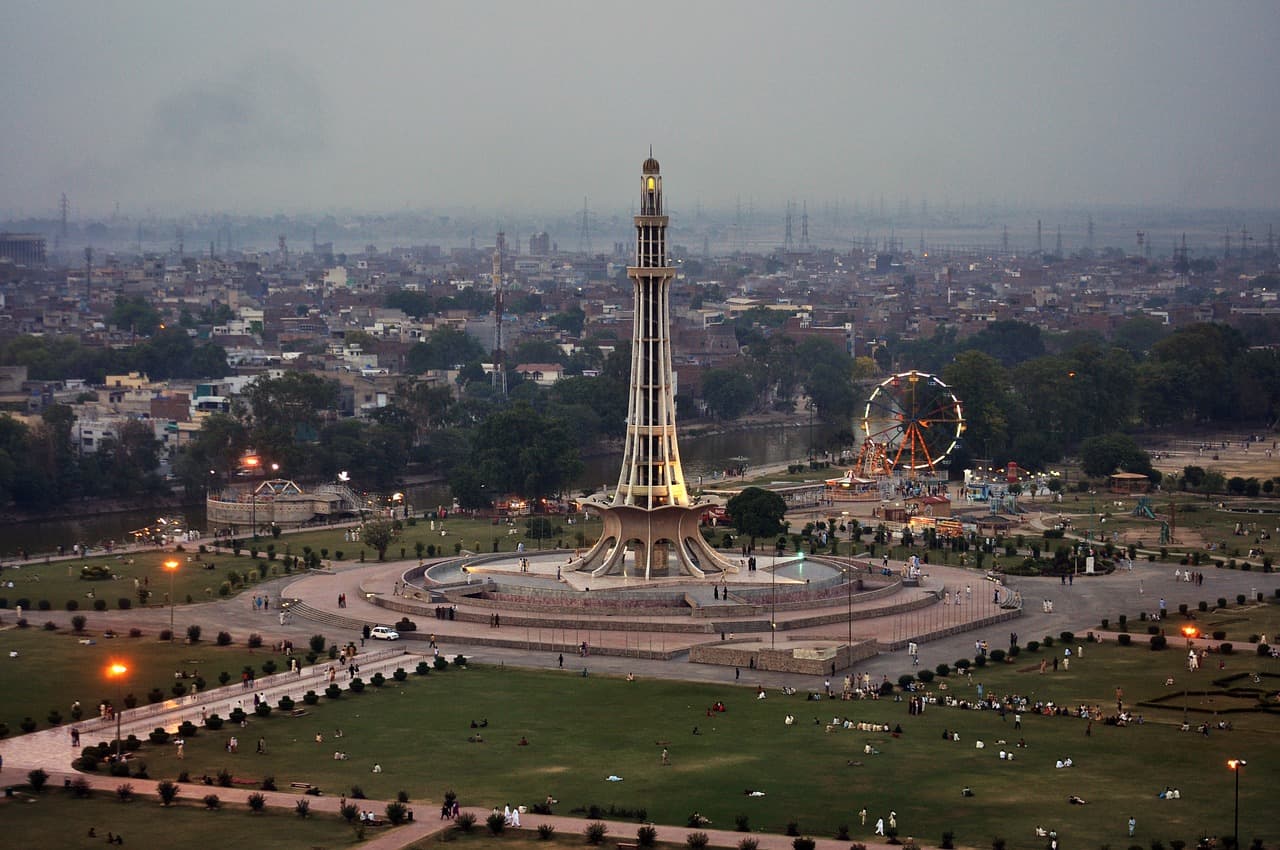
x,y
650,514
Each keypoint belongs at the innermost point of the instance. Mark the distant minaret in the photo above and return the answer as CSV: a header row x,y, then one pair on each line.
x,y
1057,246
650,514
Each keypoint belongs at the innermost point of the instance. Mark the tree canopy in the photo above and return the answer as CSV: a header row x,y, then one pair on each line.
x,y
757,512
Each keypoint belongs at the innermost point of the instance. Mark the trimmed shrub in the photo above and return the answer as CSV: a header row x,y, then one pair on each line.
x,y
595,832
803,844
546,832
753,844
942,670
378,680
124,791
310,698
193,633
696,840
167,791
1226,648
257,801
356,685
78,621
397,812
1125,639
465,822
496,823
302,808
223,639
646,836
1158,643
211,801
333,691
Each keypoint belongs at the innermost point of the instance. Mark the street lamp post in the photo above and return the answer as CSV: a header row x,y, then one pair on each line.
x,y
1190,632
253,462
773,604
171,566
1235,765
117,671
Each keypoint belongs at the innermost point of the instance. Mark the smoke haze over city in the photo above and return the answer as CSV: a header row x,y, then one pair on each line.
x,y
175,107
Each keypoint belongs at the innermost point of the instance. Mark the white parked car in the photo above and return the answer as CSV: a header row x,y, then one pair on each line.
x,y
384,633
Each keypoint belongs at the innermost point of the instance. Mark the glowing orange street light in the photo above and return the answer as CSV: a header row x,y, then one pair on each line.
x,y
172,566
117,671
1235,765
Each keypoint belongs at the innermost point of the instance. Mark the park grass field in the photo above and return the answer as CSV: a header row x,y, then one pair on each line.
x,y
199,578
472,534
53,669
56,819
584,729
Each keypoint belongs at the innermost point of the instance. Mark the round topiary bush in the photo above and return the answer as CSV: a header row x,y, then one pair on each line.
x,y
1125,639
1158,643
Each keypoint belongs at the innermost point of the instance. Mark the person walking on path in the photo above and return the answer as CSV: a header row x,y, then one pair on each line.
x,y
1133,826
666,761
880,826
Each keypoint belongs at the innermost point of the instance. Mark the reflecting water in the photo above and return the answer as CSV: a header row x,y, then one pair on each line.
x,y
705,459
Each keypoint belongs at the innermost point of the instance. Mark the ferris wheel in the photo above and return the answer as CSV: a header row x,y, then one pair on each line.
x,y
916,417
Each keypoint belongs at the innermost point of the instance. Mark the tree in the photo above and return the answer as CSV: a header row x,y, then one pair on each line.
x,y
727,392
757,512
135,315
519,450
377,534
1105,454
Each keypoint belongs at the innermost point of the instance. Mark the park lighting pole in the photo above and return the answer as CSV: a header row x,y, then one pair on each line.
x,y
253,462
171,566
1235,765
1190,633
773,604
117,671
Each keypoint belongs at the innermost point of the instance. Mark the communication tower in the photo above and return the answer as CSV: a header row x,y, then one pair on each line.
x,y
499,367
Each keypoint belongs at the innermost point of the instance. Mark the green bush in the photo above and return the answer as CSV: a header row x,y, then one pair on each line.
x,y
1158,643
310,698
546,832
1125,639
803,844
167,791
496,823
465,822
333,691
595,832
211,801
257,801
697,840
646,836
357,685
397,812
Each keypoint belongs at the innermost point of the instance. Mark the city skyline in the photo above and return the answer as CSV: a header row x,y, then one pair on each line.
x,y
524,108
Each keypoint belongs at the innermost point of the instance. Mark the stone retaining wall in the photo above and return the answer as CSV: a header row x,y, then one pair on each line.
x,y
782,659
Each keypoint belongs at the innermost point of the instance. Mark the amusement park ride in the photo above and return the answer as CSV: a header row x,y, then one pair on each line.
x,y
912,423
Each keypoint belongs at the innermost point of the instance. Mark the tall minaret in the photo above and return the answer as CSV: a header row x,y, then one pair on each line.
x,y
651,475
650,527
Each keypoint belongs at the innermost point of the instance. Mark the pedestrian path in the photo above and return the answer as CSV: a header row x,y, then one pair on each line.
x,y
50,748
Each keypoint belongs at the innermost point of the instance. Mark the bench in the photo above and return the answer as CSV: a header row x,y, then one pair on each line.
x,y
628,845
298,712
301,786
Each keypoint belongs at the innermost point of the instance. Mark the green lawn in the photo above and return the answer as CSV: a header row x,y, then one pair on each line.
x,y
470,534
199,578
55,669
56,819
582,730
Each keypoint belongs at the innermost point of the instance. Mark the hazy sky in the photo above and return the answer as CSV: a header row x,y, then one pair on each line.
x,y
175,106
